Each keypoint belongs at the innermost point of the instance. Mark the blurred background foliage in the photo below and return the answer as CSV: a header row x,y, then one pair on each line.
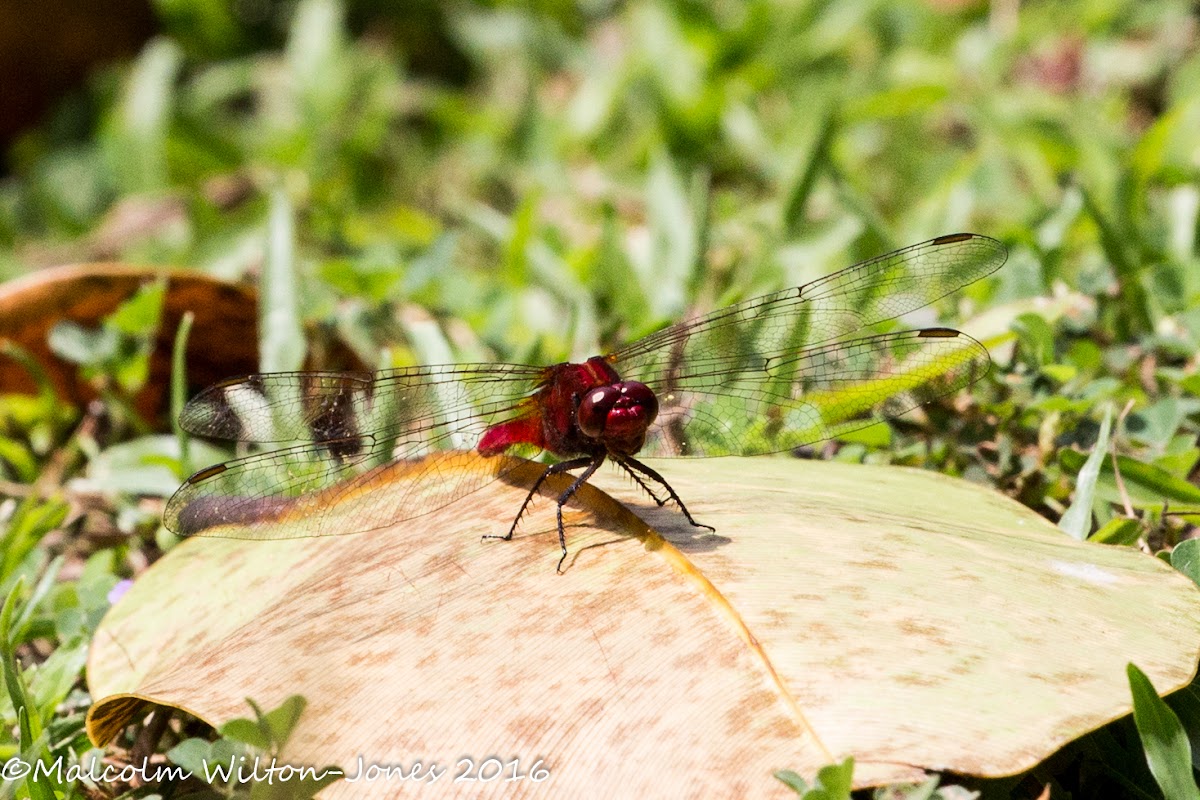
x,y
545,179
564,175
549,179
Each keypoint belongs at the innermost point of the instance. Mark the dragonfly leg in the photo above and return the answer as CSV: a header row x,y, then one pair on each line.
x,y
553,469
647,488
631,464
593,465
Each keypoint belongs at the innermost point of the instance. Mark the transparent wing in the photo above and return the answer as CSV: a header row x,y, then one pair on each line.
x,y
823,310
811,395
298,492
358,429
328,406
772,373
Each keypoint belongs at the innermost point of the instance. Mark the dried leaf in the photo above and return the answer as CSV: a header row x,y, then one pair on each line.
x,y
910,620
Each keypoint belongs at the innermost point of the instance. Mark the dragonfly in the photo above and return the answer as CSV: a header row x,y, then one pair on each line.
x,y
766,375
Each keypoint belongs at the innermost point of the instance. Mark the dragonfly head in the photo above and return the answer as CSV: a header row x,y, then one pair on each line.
x,y
618,415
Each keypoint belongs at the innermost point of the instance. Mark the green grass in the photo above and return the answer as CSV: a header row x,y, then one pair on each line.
x,y
595,172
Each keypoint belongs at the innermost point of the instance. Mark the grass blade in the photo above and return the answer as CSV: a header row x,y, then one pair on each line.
x,y
1077,521
1167,752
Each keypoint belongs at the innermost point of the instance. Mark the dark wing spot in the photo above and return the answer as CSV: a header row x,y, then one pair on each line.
x,y
206,473
953,238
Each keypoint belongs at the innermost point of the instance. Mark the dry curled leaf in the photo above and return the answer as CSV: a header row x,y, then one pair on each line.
x,y
86,293
224,339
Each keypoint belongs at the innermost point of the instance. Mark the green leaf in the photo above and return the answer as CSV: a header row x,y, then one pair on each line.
x,y
179,390
793,781
373,278
207,28
896,102
191,754
666,270
873,436
1186,705
280,721
79,345
29,722
1167,752
1157,423
32,520
1059,373
1077,520
1146,484
833,782
17,460
121,346
797,198
41,591
281,335
55,677
246,731
139,140
1036,338
141,313
1118,530
316,55
1180,463
1185,557
17,694
515,265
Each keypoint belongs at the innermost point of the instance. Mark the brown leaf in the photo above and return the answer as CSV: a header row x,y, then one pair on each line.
x,y
223,342
911,620
224,338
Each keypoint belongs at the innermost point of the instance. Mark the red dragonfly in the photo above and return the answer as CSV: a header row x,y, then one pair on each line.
x,y
765,375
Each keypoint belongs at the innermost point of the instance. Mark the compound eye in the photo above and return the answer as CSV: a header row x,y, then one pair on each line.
x,y
594,409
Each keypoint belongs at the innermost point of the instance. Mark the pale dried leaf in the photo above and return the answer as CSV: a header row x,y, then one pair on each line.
x,y
911,620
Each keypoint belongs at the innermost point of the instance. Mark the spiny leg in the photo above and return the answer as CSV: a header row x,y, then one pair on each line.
x,y
642,483
553,469
632,464
565,496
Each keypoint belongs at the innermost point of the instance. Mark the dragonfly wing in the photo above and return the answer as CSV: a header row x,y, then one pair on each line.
x,y
334,488
332,406
799,397
823,310
407,430
776,372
